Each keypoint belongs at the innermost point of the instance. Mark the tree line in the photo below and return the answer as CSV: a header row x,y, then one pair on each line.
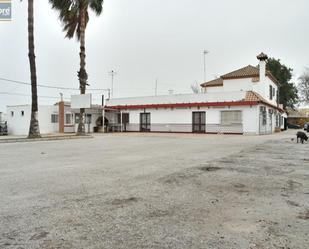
x,y
291,94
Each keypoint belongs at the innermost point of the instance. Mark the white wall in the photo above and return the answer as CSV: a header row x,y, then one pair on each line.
x,y
250,120
180,120
214,89
19,125
245,84
268,82
180,98
238,85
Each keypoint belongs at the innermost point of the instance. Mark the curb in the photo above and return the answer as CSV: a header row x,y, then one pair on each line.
x,y
25,140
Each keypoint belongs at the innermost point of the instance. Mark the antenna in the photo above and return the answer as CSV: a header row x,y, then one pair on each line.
x,y
156,88
205,52
112,73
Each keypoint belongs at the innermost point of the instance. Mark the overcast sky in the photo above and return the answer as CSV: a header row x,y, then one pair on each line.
x,y
147,39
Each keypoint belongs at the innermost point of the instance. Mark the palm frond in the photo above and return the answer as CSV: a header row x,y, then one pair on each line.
x,y
96,6
69,13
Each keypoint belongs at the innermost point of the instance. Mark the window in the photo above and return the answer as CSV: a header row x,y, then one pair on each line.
x,y
231,117
125,118
263,114
22,113
68,118
270,92
274,92
54,118
12,113
277,96
277,121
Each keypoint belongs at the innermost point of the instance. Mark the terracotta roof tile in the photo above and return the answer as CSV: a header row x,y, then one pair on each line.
x,y
215,82
248,71
245,72
254,96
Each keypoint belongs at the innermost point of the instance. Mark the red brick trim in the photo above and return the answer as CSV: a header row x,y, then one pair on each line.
x,y
201,104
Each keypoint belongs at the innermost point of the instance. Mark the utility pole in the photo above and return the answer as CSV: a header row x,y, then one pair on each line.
x,y
205,52
156,88
112,73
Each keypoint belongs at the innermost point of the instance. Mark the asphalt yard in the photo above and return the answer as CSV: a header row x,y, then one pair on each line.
x,y
156,191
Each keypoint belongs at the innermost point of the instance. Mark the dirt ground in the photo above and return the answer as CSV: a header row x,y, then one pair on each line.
x,y
156,191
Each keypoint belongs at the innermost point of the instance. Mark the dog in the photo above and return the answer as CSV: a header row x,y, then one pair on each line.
x,y
302,136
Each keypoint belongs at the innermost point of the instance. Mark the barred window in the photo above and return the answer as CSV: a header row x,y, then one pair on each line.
x,y
263,113
68,118
54,118
231,117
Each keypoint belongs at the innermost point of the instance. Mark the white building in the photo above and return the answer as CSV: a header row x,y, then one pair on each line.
x,y
244,101
58,118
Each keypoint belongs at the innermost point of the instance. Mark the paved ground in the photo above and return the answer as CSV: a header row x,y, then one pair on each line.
x,y
155,191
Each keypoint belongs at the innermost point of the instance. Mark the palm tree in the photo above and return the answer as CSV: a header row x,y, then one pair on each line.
x,y
34,130
74,16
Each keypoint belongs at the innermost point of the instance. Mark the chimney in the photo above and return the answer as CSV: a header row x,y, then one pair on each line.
x,y
262,65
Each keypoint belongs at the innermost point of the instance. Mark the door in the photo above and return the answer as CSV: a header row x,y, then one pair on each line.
x,y
125,120
145,122
198,122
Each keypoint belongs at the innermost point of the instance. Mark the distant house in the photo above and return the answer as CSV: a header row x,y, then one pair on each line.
x,y
298,116
244,101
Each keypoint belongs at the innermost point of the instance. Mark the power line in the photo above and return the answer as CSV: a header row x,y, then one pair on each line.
x,y
39,96
28,95
48,86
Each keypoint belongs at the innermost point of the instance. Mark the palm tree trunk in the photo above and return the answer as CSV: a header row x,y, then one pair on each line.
x,y
82,71
34,130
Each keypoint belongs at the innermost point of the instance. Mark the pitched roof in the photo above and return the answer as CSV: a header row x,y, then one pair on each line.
x,y
248,71
215,82
254,96
245,72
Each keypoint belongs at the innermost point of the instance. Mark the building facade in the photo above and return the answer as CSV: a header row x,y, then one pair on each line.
x,y
58,118
244,101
